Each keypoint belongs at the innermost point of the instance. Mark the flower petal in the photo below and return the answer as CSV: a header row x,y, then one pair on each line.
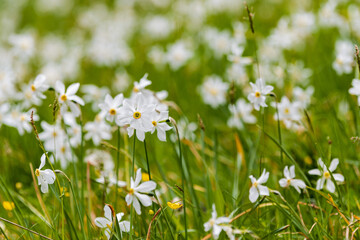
x,y
146,187
333,164
253,194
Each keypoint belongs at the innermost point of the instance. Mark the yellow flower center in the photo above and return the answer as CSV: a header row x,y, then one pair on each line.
x,y
33,88
22,118
288,181
257,94
37,172
112,111
154,123
213,91
286,110
136,89
212,222
63,97
326,174
131,191
255,184
137,115
54,134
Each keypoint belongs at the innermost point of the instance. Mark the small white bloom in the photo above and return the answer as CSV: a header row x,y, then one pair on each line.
x,y
161,127
45,177
178,54
137,192
241,112
97,130
258,94
20,120
324,172
290,180
111,107
136,113
288,113
257,189
94,94
68,98
106,222
141,85
213,91
303,96
218,224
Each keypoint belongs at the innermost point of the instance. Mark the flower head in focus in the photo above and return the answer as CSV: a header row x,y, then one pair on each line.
x,y
258,94
45,177
324,172
290,180
257,189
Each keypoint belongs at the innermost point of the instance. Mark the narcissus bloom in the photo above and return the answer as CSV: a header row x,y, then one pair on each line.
x,y
290,180
218,224
324,172
106,222
44,177
111,107
137,114
258,93
137,192
257,189
67,98
157,120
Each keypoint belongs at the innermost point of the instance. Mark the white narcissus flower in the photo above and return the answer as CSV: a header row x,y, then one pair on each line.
x,y
44,177
20,120
136,192
111,107
106,222
289,112
218,224
137,114
256,188
68,98
290,180
213,91
97,130
142,84
157,120
241,112
258,93
355,89
324,172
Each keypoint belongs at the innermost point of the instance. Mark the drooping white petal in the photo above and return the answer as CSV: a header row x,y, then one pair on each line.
x,y
144,199
286,172
263,190
320,183
330,186
253,194
136,205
